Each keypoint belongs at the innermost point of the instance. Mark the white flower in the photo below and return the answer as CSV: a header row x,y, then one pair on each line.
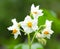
x,y
15,28
48,24
47,31
29,25
36,11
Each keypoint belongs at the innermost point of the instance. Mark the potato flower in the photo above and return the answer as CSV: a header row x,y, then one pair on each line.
x,y
29,25
47,32
15,28
36,12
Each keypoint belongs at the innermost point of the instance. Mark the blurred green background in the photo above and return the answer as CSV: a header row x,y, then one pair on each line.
x,y
18,9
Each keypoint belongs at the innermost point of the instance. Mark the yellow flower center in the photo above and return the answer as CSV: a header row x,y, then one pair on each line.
x,y
35,12
29,24
46,32
14,31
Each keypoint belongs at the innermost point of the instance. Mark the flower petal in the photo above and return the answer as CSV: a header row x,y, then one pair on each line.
x,y
48,24
10,28
14,21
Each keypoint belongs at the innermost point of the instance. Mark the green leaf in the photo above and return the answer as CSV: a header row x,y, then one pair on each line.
x,y
37,46
49,16
25,46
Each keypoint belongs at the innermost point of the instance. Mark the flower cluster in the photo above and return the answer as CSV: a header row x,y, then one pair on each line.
x,y
30,25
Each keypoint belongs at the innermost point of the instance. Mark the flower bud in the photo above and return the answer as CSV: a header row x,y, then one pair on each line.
x,y
42,41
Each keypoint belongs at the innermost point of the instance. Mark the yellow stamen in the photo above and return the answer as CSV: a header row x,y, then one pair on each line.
x,y
35,12
46,32
14,31
29,24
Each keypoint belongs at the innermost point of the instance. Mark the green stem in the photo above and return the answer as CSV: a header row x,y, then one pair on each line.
x,y
29,41
36,33
22,30
33,37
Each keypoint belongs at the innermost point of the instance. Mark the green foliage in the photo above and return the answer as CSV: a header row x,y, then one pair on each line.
x,y
41,21
19,9
53,43
49,16
25,46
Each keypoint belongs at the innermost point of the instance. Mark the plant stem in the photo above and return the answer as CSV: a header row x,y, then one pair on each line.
x,y
33,37
29,41
22,30
35,34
